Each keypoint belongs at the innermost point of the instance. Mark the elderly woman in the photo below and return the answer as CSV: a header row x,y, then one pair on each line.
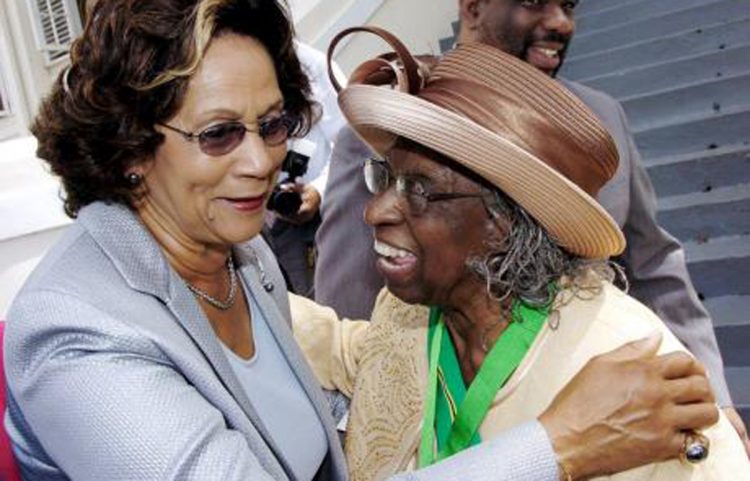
x,y
491,245
152,342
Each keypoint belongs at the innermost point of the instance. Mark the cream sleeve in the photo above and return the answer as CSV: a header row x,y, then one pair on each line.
x,y
332,346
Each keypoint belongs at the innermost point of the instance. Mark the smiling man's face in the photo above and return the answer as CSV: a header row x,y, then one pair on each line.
x,y
537,31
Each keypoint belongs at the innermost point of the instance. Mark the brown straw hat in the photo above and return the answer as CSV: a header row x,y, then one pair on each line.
x,y
503,119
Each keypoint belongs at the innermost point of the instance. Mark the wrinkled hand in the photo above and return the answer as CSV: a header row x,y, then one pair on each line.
x,y
739,426
310,202
626,408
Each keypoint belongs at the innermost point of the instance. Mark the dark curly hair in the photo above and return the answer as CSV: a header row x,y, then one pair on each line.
x,y
130,70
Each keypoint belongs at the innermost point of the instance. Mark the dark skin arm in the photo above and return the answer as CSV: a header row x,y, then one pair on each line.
x,y
627,408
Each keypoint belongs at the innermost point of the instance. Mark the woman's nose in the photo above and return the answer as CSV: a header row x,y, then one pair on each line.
x,y
384,208
256,159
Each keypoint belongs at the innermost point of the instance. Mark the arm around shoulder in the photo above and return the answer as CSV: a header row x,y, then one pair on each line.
x,y
331,345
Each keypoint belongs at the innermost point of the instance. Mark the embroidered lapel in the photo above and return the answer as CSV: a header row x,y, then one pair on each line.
x,y
389,391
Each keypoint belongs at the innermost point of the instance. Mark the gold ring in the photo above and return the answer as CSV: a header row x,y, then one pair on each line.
x,y
695,447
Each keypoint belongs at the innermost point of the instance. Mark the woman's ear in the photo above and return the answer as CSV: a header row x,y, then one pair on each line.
x,y
135,176
498,225
140,169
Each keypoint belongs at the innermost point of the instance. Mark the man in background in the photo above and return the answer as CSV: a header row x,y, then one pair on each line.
x,y
539,32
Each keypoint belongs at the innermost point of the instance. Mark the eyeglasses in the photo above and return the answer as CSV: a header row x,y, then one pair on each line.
x,y
379,178
220,139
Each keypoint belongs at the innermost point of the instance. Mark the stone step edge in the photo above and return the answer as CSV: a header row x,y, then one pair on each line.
x,y
718,248
585,12
680,33
695,118
600,31
719,195
707,154
702,83
677,7
730,310
643,67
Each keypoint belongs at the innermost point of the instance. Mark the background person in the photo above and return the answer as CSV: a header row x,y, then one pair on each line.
x,y
537,31
494,254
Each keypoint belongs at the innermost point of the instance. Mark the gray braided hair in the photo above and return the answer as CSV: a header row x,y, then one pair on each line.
x,y
524,264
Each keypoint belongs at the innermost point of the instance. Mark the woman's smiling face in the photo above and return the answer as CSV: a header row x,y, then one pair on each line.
x,y
423,255
219,199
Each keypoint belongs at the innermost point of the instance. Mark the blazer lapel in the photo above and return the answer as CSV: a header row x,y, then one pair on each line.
x,y
279,326
185,308
144,267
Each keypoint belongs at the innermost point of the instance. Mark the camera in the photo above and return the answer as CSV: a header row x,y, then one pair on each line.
x,y
295,165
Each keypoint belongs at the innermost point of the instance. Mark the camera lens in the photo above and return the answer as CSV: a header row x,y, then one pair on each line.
x,y
285,203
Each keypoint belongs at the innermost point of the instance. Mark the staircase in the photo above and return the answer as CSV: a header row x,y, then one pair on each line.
x,y
681,69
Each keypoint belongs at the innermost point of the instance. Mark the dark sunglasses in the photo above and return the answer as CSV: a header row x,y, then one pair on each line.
x,y
220,139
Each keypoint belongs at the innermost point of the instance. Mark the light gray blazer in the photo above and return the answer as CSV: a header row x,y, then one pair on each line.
x,y
114,373
346,279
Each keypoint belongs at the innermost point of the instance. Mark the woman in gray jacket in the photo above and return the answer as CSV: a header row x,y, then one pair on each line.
x,y
153,342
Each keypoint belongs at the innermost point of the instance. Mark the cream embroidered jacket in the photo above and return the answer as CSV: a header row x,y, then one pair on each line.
x,y
382,366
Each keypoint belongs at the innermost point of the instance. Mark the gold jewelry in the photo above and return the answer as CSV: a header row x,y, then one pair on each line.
x,y
695,447
220,305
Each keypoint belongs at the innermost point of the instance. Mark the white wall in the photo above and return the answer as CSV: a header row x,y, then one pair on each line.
x,y
420,24
18,257
31,212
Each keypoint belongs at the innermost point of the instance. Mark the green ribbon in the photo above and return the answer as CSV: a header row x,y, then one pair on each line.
x,y
451,389
457,428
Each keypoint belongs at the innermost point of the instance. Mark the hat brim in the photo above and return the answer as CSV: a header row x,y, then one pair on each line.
x,y
573,218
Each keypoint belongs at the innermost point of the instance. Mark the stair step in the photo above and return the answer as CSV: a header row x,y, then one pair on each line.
x,y
587,8
656,26
652,56
734,247
695,133
656,51
700,171
630,12
738,378
720,267
702,216
446,43
733,344
682,71
659,107
729,311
